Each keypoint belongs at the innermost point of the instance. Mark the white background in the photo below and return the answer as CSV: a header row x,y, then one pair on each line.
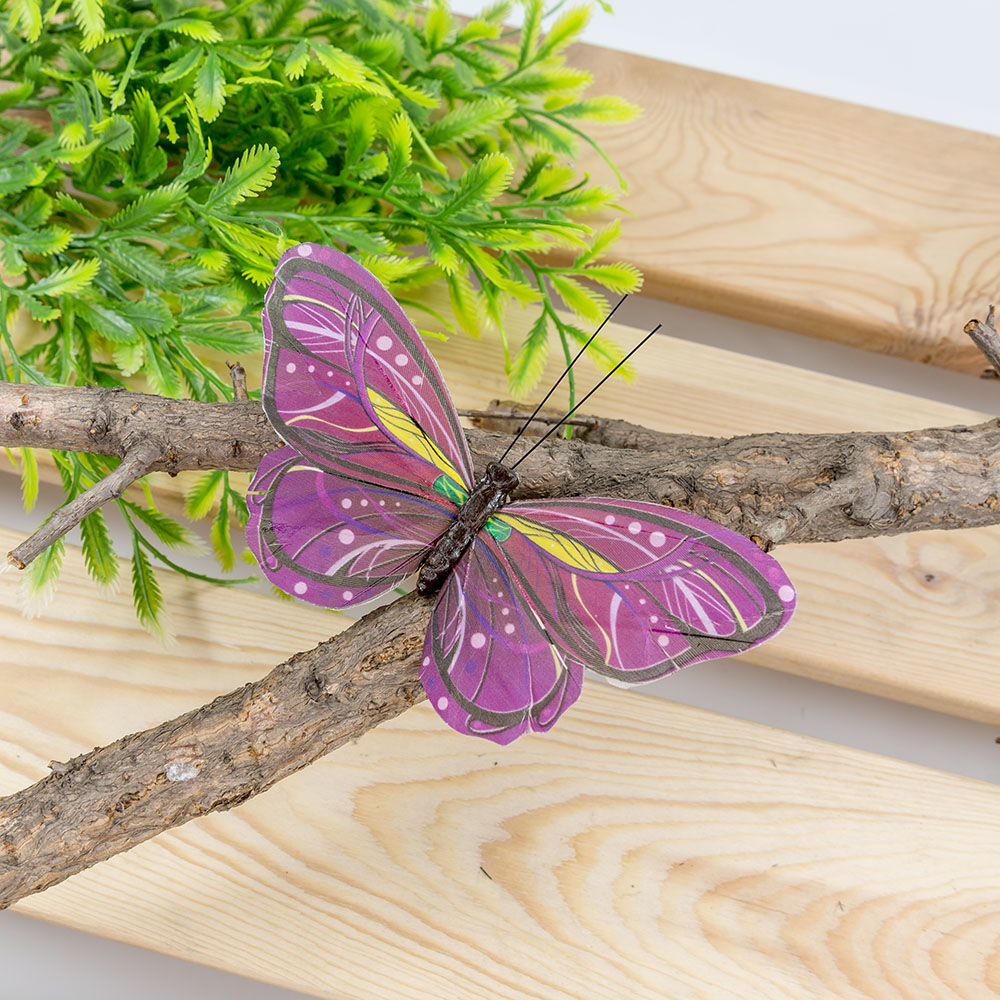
x,y
931,60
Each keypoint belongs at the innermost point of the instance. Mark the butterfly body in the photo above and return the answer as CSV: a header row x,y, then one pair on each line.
x,y
488,497
376,484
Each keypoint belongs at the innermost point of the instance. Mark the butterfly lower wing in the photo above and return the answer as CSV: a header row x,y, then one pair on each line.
x,y
333,541
348,381
636,590
490,667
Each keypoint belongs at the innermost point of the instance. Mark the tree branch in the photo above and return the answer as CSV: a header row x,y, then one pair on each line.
x,y
895,482
107,801
135,465
772,487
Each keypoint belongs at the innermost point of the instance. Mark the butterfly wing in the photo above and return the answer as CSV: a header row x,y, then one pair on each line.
x,y
333,541
348,382
490,667
636,590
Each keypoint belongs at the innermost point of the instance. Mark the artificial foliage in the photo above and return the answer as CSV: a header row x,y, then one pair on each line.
x,y
157,158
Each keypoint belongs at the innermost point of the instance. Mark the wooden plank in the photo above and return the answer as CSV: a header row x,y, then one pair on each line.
x,y
801,212
641,849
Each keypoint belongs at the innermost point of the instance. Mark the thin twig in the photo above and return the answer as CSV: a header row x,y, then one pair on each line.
x,y
134,466
986,338
239,376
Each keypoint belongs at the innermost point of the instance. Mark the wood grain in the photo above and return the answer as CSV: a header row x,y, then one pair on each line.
x,y
801,212
640,849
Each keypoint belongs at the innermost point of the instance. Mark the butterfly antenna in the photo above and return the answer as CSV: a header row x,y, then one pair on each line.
x,y
555,384
555,427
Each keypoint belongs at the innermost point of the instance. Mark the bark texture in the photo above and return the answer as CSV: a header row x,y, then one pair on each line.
x,y
770,487
107,801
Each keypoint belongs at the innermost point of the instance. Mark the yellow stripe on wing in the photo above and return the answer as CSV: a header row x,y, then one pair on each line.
x,y
316,302
564,548
405,430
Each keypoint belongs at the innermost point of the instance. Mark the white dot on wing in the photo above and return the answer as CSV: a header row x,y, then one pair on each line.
x,y
442,704
634,528
290,367
346,536
304,250
300,588
401,359
383,343
345,503
478,640
348,595
609,519
417,380
656,539
786,593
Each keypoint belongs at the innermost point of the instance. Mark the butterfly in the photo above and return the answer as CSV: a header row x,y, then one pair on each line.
x,y
373,475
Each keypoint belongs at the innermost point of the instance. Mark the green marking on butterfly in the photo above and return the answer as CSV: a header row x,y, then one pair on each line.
x,y
448,488
498,529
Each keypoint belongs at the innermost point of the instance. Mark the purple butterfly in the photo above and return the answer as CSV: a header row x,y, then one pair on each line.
x,y
369,489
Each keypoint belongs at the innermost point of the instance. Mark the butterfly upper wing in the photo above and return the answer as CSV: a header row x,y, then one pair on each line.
x,y
637,590
348,382
490,667
333,541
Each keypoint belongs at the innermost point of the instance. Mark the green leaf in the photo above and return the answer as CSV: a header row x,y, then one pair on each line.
x,y
129,358
188,60
602,109
150,208
529,363
162,375
210,88
222,542
148,160
339,63
202,495
437,24
38,581
145,590
251,174
89,16
98,550
530,30
618,278
298,60
469,120
43,242
29,479
166,529
482,182
603,352
564,31
399,145
585,302
192,27
69,280
26,17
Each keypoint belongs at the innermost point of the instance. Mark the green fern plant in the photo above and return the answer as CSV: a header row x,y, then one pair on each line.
x,y
156,158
